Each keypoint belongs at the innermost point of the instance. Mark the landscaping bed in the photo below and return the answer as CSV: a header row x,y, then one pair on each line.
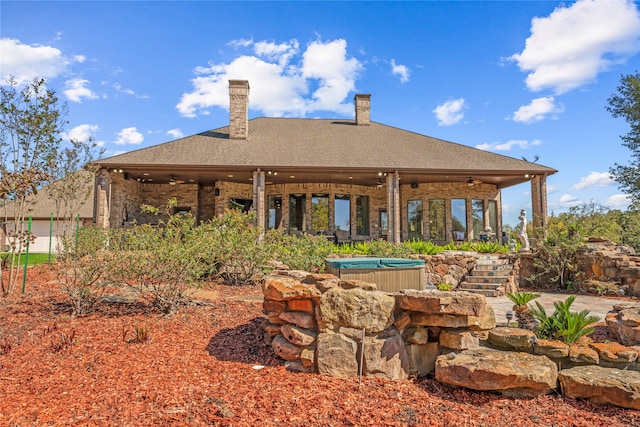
x,y
208,365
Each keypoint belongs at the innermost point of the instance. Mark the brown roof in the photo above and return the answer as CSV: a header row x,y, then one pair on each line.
x,y
325,144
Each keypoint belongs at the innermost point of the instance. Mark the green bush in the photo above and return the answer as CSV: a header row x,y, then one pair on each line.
x,y
162,264
304,252
230,248
422,247
85,268
563,324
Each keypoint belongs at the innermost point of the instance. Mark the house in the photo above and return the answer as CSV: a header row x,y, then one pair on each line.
x,y
352,179
50,214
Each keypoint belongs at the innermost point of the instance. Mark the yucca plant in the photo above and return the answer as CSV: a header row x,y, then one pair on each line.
x,y
523,315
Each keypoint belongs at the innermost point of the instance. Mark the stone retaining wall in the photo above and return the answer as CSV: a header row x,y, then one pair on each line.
x,y
344,328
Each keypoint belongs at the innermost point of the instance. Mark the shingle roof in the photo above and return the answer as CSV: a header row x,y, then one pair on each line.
x,y
323,143
41,205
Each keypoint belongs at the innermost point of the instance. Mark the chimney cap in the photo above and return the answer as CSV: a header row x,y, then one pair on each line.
x,y
362,96
239,83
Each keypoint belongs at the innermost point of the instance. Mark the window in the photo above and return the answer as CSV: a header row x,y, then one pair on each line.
x,y
274,214
414,218
181,210
436,219
342,212
297,206
362,215
384,223
243,205
477,215
319,213
459,215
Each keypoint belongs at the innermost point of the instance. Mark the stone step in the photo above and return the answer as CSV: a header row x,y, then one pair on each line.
x,y
501,267
492,261
502,274
487,279
468,285
485,292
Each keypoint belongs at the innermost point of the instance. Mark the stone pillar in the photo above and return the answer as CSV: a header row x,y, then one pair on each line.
x,y
238,109
259,199
539,201
393,203
363,109
101,206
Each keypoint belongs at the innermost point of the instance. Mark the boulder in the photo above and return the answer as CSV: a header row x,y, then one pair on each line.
x,y
416,335
583,355
336,355
353,283
305,305
285,349
615,352
512,338
385,356
441,302
602,385
356,308
624,323
422,358
554,349
323,282
282,288
484,322
510,373
459,339
298,318
298,336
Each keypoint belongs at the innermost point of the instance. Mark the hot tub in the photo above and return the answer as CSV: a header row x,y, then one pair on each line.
x,y
389,274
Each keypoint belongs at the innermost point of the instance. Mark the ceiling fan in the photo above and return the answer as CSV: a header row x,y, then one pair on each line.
x,y
174,181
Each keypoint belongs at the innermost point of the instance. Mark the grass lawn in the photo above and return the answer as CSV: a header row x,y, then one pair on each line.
x,y
34,259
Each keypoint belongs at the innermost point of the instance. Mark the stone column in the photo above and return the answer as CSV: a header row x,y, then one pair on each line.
x,y
539,200
259,199
393,203
101,206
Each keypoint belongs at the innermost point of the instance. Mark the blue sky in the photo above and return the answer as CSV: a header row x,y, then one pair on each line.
x,y
523,79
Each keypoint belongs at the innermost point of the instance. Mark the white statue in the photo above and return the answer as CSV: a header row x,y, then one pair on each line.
x,y
522,231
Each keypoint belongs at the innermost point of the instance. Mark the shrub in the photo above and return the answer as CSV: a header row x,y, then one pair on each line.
x,y
84,270
522,298
422,247
304,252
162,263
444,287
232,248
563,324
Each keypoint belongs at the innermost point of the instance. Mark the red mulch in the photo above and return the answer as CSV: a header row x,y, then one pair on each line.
x,y
198,369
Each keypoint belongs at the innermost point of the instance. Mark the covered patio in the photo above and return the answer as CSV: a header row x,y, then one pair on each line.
x,y
351,179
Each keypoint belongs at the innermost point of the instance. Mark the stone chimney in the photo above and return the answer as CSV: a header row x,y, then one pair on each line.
x,y
238,109
363,107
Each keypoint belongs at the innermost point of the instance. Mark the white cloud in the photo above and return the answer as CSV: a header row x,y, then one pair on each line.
x,y
118,87
320,79
506,146
568,48
81,132
400,70
175,133
75,90
551,188
594,179
539,109
450,112
618,201
240,43
25,62
568,200
129,136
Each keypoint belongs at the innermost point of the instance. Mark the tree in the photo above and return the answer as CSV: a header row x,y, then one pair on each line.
x,y
626,104
71,186
31,120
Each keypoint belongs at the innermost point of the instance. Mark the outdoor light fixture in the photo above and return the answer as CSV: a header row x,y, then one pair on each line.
x,y
470,182
509,316
379,183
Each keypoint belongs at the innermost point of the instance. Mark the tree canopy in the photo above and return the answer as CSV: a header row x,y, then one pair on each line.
x,y
626,104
